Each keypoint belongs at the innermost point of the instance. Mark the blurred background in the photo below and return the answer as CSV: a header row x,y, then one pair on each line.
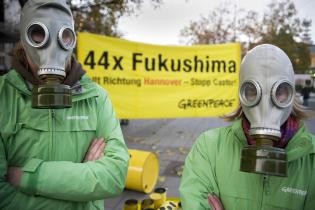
x,y
187,22
288,24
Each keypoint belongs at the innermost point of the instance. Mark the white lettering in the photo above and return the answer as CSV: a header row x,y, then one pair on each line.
x,y
77,117
294,191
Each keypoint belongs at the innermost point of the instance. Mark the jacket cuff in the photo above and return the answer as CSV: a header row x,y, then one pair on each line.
x,y
30,176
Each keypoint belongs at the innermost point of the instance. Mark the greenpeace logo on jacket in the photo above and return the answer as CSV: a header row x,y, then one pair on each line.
x,y
294,191
83,117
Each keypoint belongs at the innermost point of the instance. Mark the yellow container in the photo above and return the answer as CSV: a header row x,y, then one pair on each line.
x,y
147,204
157,199
143,171
169,205
131,204
162,192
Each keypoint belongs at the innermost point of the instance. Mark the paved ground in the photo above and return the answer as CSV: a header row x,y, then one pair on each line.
x,y
171,139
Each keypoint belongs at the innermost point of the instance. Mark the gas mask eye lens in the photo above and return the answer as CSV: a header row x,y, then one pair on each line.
x,y
66,38
282,93
37,34
250,93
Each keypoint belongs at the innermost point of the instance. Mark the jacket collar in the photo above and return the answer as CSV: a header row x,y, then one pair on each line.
x,y
301,144
83,89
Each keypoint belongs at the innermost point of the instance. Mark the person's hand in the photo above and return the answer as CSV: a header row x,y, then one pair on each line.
x,y
96,150
215,202
14,176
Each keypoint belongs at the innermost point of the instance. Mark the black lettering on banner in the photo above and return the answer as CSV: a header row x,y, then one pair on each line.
x,y
216,64
174,67
187,65
89,60
162,63
232,67
147,64
96,79
151,64
205,103
135,60
103,61
118,62
197,63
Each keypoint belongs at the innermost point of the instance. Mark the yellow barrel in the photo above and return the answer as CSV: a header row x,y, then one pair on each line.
x,y
143,171
131,204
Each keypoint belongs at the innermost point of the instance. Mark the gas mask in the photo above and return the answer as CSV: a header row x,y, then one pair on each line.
x,y
48,37
266,94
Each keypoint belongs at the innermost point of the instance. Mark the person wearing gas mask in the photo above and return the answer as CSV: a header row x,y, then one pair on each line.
x,y
61,145
266,158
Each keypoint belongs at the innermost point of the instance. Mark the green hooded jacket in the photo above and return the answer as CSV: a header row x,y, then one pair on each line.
x,y
213,164
50,145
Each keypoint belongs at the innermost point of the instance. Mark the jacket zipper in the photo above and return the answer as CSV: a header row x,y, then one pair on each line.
x,y
265,190
267,185
52,128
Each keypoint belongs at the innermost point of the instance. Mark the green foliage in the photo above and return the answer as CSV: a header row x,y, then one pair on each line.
x,y
279,26
100,16
218,27
283,28
225,23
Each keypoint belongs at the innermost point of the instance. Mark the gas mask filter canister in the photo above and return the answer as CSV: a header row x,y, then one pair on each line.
x,y
266,94
48,37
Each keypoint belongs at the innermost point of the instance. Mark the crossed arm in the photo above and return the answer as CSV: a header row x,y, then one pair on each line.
x,y
95,152
100,175
198,187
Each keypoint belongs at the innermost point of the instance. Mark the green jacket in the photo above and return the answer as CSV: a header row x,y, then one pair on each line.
x,y
50,145
213,164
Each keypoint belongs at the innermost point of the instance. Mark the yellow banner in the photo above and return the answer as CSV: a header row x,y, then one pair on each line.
x,y
153,81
